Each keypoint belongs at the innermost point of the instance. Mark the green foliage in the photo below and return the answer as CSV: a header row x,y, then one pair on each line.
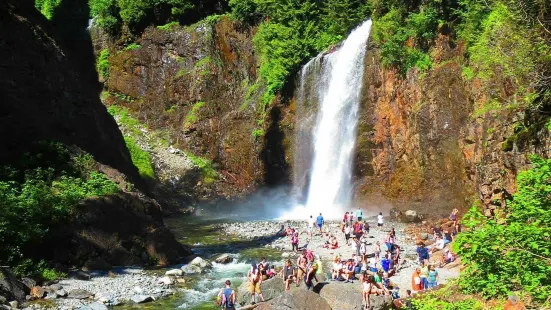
x,y
131,47
192,117
106,14
103,64
123,117
168,27
208,173
513,251
404,38
434,301
258,132
111,14
244,10
38,192
140,158
505,45
294,31
47,7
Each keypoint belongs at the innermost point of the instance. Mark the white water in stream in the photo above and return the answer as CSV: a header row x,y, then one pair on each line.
x,y
338,86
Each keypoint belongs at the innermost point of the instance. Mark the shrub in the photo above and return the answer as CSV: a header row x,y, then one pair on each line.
x,y
110,14
47,7
105,13
38,192
513,251
244,10
103,64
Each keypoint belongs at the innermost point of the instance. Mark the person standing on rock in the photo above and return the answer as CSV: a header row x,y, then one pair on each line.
x,y
294,242
359,214
227,297
301,267
433,277
416,282
380,219
255,281
320,222
347,233
311,223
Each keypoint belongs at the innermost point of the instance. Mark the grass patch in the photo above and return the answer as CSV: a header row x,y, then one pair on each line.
x,y
168,27
133,46
123,117
208,173
140,158
192,116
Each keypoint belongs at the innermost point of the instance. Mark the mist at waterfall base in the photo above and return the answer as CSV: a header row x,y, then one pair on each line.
x,y
339,78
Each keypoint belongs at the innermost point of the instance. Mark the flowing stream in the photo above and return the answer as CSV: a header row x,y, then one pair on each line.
x,y
334,81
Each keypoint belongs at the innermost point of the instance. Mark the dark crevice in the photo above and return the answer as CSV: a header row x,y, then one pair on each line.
x,y
273,155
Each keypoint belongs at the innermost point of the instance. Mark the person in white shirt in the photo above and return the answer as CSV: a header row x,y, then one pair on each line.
x,y
372,264
347,231
311,223
438,245
380,219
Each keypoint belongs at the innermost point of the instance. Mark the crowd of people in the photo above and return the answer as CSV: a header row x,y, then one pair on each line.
x,y
372,263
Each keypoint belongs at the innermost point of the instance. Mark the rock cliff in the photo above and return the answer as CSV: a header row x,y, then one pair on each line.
x,y
197,85
432,139
48,93
46,96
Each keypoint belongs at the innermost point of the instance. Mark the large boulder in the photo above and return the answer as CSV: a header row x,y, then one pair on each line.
x,y
380,302
224,259
10,287
410,216
174,272
343,296
198,261
191,269
79,294
298,299
271,288
140,299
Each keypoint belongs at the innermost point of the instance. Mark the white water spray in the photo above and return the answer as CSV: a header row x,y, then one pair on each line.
x,y
330,187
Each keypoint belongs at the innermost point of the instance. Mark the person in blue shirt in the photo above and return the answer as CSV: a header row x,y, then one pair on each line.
x,y
319,221
385,263
226,297
359,214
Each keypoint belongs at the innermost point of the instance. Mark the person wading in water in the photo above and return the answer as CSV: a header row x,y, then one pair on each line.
x,y
255,281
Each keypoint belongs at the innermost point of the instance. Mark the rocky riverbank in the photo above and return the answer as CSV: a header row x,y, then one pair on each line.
x,y
267,230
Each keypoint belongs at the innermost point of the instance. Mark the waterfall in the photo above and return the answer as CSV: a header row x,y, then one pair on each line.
x,y
332,81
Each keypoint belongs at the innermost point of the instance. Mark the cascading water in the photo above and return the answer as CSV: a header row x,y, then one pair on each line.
x,y
338,84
